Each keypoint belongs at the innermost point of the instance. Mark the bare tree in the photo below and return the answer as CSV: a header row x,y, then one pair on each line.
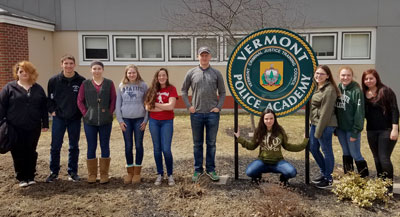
x,y
232,17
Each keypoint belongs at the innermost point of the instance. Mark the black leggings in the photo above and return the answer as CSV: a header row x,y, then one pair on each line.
x,y
382,148
24,153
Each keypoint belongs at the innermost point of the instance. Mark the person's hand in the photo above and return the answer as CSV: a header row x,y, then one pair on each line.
x,y
53,114
122,125
45,129
192,109
216,110
352,139
147,107
394,135
143,126
237,134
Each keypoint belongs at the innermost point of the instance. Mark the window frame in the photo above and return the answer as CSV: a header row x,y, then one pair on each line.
x,y
335,44
357,33
141,48
240,37
172,37
115,37
84,36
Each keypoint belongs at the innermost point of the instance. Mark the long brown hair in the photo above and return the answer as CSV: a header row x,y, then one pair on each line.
x,y
29,68
151,95
261,130
330,77
383,93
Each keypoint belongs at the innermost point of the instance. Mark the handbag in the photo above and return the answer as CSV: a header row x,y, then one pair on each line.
x,y
7,136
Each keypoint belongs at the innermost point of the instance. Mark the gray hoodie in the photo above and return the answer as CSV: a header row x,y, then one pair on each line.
x,y
130,98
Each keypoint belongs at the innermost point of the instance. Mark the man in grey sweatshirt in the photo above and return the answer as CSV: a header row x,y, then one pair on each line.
x,y
204,109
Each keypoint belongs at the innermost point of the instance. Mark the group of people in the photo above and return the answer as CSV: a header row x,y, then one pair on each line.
x,y
338,110
72,98
335,109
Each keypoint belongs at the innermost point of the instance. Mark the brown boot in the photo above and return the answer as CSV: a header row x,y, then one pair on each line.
x,y
104,168
136,174
128,178
92,170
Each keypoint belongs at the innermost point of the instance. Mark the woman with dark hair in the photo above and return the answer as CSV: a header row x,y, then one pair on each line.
x,y
382,116
271,137
23,103
96,101
132,118
323,124
350,115
160,102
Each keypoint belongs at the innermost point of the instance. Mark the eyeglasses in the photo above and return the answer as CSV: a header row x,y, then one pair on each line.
x,y
320,74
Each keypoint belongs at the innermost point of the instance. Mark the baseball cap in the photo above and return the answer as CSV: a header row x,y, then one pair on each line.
x,y
203,49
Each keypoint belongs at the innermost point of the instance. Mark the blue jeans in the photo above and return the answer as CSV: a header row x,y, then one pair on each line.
x,y
58,129
161,133
256,168
133,129
325,162
199,121
104,132
350,148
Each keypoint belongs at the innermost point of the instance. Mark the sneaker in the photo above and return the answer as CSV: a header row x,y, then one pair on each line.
x,y
196,176
159,180
324,184
318,180
31,182
171,181
213,176
23,184
52,177
74,177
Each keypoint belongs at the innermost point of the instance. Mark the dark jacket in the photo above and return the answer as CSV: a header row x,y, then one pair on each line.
x,y
350,109
24,109
62,96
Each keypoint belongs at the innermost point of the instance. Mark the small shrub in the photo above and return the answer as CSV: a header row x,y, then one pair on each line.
x,y
362,191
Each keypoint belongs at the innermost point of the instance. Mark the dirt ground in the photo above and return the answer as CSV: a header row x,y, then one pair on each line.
x,y
236,198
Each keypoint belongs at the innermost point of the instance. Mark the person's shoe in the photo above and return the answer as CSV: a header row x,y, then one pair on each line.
x,y
324,184
31,182
196,176
52,177
283,180
213,176
318,180
171,181
74,177
23,184
159,179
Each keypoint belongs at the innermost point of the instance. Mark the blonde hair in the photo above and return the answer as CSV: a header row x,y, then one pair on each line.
x,y
125,79
29,68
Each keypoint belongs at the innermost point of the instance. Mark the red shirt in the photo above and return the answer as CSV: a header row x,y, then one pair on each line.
x,y
163,97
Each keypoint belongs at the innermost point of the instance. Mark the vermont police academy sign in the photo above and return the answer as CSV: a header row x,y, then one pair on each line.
x,y
272,69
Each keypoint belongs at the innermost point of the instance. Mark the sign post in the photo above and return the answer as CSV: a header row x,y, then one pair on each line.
x,y
271,69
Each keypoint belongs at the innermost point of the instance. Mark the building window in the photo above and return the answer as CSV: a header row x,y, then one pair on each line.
x,y
324,45
356,45
230,45
151,48
180,48
125,48
210,42
95,47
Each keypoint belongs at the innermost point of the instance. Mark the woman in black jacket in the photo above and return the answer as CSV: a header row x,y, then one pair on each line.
x,y
23,103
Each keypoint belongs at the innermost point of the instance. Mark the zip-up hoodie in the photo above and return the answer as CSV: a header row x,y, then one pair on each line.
x,y
350,109
323,108
271,149
62,95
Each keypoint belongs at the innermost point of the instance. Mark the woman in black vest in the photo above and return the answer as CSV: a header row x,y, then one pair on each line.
x,y
96,100
23,102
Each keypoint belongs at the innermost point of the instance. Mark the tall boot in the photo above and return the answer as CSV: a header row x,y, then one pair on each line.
x,y
104,168
92,170
348,165
128,177
362,168
136,174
